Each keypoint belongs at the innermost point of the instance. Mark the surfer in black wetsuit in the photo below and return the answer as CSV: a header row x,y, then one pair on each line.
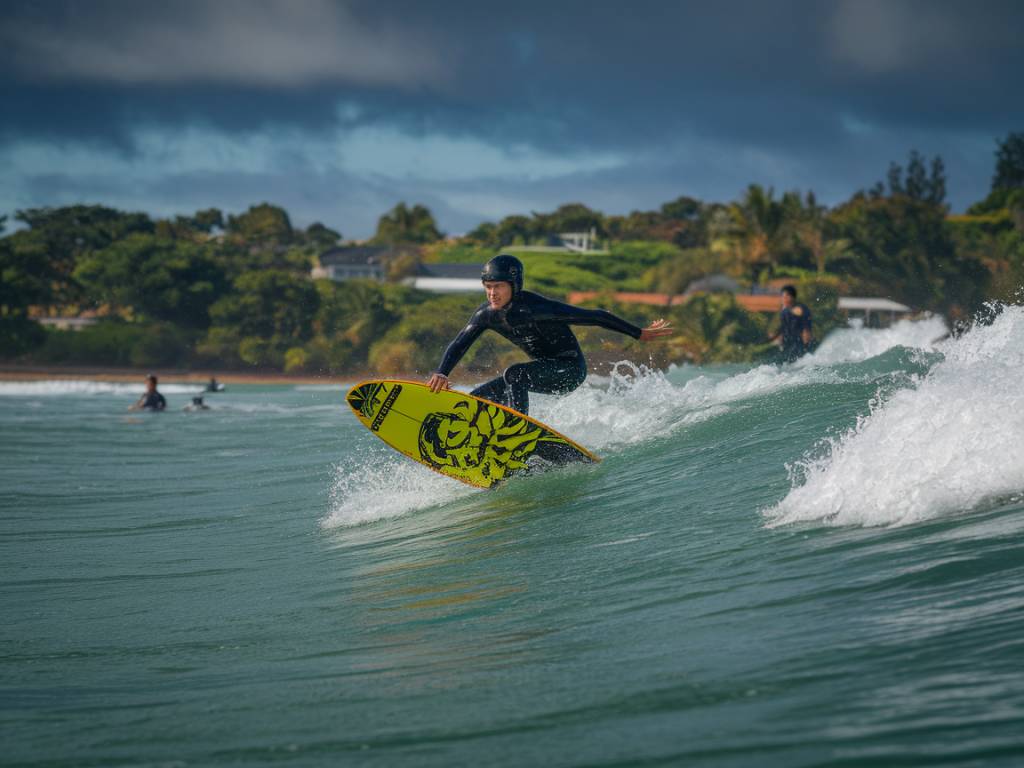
x,y
540,327
151,400
795,327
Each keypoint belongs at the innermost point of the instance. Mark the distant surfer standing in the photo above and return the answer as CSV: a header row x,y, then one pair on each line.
x,y
795,327
540,327
151,400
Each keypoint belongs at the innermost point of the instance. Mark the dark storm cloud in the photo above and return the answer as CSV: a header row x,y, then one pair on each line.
x,y
692,97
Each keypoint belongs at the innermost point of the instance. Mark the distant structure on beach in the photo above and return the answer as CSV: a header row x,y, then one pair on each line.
x,y
872,311
353,262
446,278
568,242
66,322
581,242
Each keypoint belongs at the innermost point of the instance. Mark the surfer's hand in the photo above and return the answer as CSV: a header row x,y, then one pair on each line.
x,y
656,330
437,382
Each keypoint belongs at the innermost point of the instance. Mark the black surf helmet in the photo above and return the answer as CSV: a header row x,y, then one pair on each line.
x,y
504,268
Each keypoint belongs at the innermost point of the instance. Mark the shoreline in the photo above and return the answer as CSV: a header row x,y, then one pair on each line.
x,y
100,373
14,372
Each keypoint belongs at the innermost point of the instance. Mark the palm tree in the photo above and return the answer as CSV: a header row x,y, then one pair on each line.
x,y
809,227
758,228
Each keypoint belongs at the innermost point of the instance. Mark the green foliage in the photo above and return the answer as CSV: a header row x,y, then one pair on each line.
x,y
266,304
557,277
320,237
573,217
26,273
295,359
261,352
673,273
263,225
422,333
916,183
539,228
902,247
153,277
196,228
18,335
26,279
220,346
756,232
714,327
116,343
995,239
407,225
1010,163
67,234
682,222
207,220
236,258
460,252
243,296
350,318
266,313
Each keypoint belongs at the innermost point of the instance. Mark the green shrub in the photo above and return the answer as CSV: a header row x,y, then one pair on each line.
x,y
295,359
116,343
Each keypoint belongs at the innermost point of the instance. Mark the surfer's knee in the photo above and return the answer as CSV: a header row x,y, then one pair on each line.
x,y
517,374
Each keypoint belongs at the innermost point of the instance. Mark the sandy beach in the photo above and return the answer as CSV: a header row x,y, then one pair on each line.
x,y
92,373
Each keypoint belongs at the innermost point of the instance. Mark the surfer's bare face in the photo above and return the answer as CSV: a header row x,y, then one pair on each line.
x,y
498,293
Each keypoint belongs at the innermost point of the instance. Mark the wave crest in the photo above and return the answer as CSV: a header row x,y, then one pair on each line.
x,y
951,442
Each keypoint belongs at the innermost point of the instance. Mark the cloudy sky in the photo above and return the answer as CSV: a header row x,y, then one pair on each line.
x,y
337,110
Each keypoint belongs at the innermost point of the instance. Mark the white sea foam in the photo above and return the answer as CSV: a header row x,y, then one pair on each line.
x,y
57,387
607,414
381,485
635,405
949,444
853,345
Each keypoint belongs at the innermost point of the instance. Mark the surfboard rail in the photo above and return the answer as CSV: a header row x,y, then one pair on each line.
x,y
459,435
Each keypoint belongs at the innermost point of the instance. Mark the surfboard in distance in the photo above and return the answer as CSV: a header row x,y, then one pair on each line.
x,y
458,435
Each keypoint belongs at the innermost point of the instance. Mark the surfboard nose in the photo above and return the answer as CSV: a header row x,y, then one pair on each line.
x,y
363,399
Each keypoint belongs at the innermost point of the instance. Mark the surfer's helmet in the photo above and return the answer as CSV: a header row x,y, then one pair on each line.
x,y
504,269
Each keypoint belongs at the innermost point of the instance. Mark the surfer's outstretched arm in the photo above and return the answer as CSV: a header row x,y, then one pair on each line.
x,y
556,310
439,379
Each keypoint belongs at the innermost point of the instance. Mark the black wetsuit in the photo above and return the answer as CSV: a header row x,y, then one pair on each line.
x,y
153,401
795,320
540,327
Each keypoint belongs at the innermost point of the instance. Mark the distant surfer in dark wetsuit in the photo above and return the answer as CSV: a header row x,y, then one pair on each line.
x,y
795,327
540,327
152,400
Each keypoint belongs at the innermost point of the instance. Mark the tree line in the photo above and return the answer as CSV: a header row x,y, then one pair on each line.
x,y
234,291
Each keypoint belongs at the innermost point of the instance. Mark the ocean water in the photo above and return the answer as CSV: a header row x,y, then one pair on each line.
x,y
813,565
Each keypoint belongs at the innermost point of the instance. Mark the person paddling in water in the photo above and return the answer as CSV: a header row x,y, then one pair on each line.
x,y
540,327
794,327
151,400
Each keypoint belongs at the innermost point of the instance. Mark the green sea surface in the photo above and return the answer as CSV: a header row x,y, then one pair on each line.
x,y
812,565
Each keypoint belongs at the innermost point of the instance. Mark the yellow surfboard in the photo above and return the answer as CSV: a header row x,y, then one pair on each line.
x,y
461,436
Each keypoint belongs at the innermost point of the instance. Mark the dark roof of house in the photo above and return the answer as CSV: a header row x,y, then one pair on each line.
x,y
464,271
354,254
